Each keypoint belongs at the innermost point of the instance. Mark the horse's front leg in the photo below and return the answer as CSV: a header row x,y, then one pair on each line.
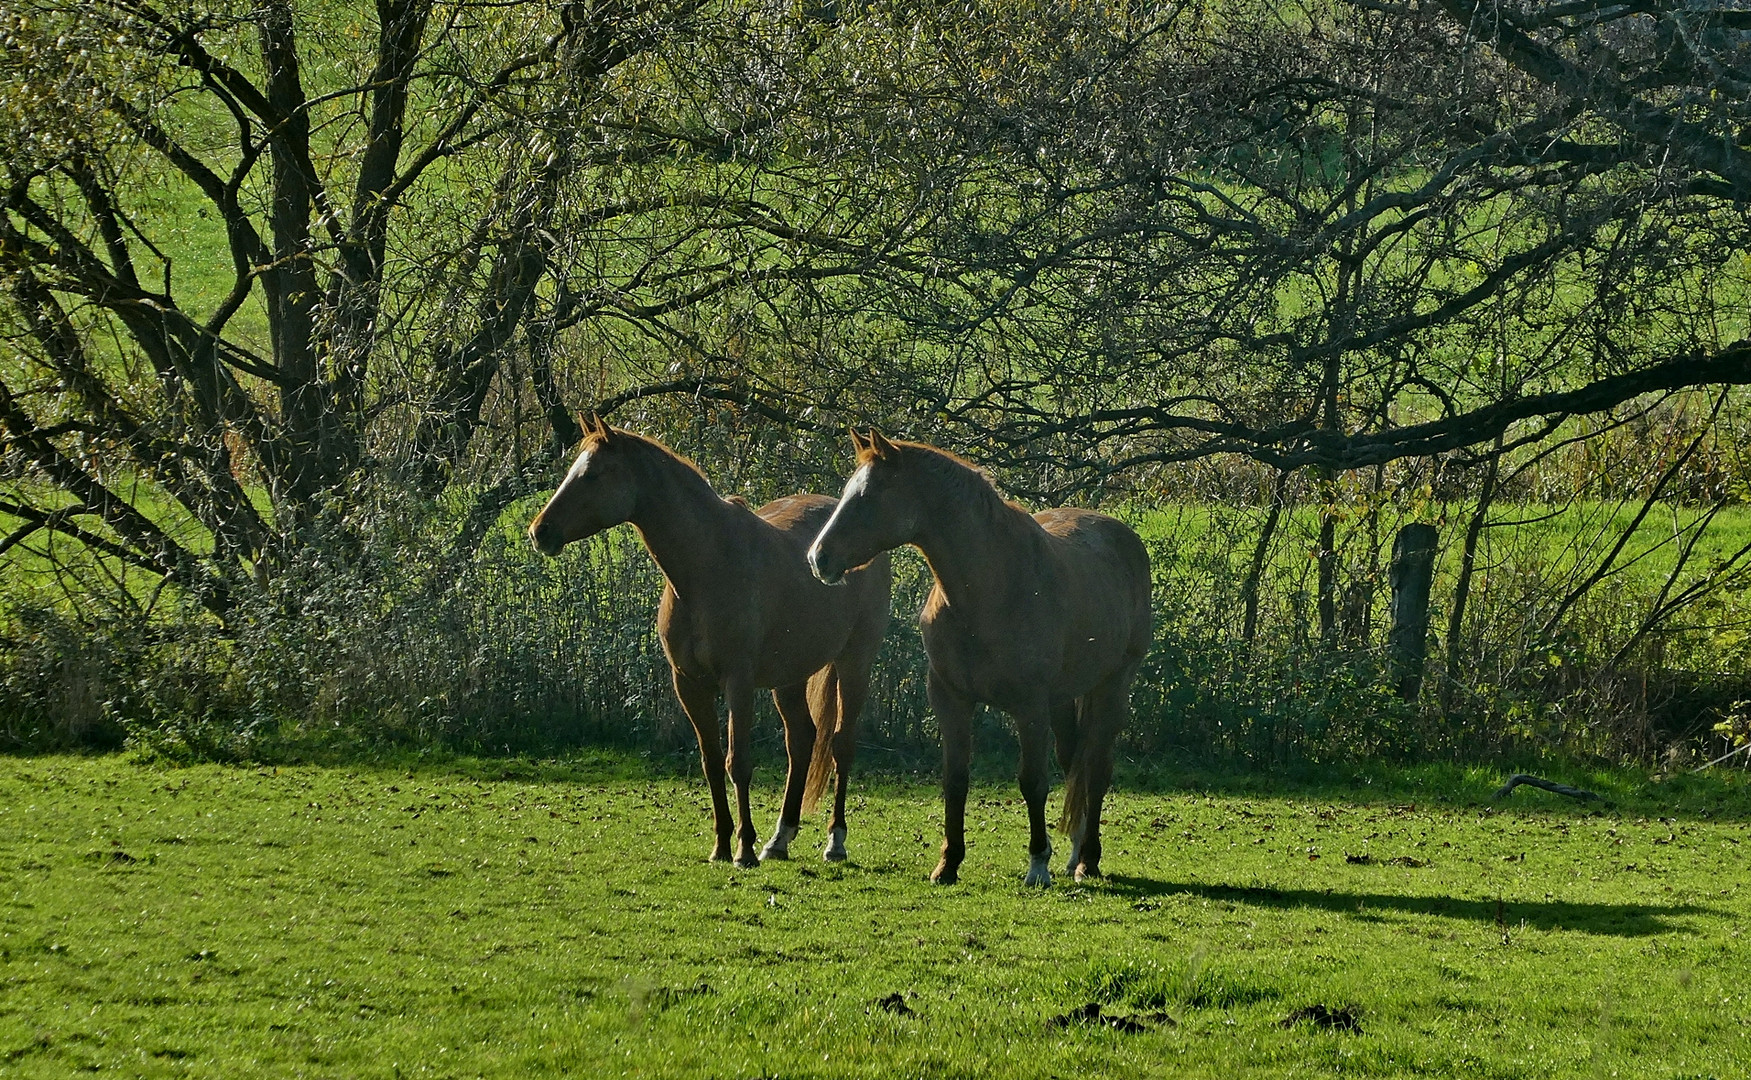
x,y
954,717
799,746
1034,727
853,690
740,693
699,702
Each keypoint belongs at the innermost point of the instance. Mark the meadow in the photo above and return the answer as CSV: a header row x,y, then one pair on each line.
x,y
515,918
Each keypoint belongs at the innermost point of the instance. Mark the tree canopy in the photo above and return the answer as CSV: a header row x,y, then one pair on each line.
x,y
261,258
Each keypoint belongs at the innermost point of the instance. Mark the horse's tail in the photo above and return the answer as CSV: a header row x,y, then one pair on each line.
x,y
1072,798
824,707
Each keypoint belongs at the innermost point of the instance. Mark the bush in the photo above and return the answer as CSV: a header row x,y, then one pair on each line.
x,y
379,636
56,682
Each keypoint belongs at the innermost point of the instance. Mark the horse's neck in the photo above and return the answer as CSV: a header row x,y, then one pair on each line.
x,y
680,518
973,544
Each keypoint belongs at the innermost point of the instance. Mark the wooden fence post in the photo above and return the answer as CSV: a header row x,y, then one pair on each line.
x,y
1411,574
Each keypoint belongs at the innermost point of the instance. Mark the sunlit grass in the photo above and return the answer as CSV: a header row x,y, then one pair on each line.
x,y
496,919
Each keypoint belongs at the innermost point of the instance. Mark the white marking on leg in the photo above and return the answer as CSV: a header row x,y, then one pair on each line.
x,y
1039,869
779,846
835,851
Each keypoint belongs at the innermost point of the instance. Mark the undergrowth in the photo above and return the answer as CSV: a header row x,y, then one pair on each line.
x,y
393,641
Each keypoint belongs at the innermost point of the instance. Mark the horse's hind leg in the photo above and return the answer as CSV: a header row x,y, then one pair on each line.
x,y
799,745
1071,820
1068,736
853,691
1065,733
1034,728
1102,714
699,702
740,693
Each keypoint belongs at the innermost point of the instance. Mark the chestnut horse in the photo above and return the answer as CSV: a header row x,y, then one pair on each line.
x,y
739,612
1045,616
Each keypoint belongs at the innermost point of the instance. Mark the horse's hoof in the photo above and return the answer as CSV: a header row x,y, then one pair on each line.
x,y
834,854
721,854
747,860
944,875
779,846
1085,872
835,851
1039,871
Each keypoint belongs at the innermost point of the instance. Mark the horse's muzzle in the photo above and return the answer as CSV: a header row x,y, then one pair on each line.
x,y
823,567
545,539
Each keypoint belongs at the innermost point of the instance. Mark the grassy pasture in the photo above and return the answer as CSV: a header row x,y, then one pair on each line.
x,y
507,919
1563,540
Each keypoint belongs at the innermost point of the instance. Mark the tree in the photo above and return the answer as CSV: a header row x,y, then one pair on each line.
x,y
259,259
1324,235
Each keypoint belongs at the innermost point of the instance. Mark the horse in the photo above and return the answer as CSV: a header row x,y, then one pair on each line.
x,y
1045,616
740,612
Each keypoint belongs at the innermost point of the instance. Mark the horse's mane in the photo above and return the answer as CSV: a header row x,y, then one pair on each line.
x,y
594,440
972,483
646,443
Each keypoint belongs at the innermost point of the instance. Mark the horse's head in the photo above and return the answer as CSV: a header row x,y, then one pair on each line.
x,y
877,511
598,493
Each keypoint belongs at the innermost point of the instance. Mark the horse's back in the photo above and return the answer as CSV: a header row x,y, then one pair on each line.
x,y
1099,544
1089,528
800,517
1104,570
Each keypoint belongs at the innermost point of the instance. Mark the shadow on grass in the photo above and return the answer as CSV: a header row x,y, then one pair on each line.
x,y
1620,920
1626,791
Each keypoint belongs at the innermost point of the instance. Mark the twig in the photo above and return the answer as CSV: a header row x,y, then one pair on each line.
x,y
1723,757
1549,785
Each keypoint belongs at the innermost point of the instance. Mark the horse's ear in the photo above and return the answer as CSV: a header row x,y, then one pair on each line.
x,y
857,442
601,428
880,446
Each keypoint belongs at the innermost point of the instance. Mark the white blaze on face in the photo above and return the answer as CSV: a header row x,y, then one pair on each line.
x,y
857,485
854,487
578,466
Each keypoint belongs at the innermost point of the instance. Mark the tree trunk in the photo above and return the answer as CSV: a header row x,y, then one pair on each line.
x,y
1462,588
1411,574
1249,588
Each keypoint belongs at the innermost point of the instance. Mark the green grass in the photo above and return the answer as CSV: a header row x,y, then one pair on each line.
x,y
383,922
1565,540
